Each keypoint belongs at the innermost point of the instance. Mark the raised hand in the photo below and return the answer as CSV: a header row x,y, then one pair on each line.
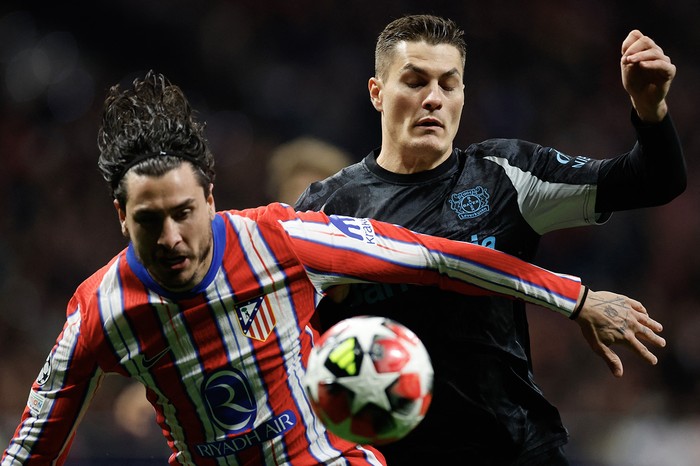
x,y
646,75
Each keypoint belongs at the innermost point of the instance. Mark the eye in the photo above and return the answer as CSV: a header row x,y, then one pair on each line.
x,y
146,219
450,84
414,84
182,214
413,81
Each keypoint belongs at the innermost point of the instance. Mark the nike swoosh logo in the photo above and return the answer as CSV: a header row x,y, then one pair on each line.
x,y
150,362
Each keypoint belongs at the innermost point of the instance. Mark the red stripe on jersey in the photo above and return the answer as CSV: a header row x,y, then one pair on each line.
x,y
302,295
145,320
500,273
266,353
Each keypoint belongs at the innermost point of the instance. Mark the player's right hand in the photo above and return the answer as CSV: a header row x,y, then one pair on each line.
x,y
607,318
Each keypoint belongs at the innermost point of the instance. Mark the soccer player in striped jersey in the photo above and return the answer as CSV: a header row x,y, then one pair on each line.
x,y
212,310
501,193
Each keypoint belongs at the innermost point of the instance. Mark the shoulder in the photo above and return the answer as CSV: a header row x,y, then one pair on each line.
x,y
501,147
90,287
318,192
267,217
523,154
85,302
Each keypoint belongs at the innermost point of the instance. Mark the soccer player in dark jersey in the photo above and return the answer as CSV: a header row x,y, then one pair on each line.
x,y
211,310
500,193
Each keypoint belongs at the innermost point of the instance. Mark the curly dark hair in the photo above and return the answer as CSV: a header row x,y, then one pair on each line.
x,y
150,129
415,28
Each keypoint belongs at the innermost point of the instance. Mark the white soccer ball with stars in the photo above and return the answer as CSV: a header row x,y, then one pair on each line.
x,y
370,380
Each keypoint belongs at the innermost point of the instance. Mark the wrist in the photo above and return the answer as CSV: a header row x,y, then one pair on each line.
x,y
651,114
584,294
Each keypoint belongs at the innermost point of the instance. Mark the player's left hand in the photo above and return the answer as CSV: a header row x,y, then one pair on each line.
x,y
608,318
646,75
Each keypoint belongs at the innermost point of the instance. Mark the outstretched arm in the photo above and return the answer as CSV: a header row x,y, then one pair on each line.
x,y
606,318
646,75
338,250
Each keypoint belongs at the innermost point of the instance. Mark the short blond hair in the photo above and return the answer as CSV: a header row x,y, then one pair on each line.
x,y
303,154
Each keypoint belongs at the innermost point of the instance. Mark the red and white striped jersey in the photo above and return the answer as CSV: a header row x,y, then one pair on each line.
x,y
223,363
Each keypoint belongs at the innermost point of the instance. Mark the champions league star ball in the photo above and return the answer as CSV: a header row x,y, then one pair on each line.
x,y
369,379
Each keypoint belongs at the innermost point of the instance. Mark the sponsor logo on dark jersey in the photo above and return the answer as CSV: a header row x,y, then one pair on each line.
x,y
576,162
372,293
470,203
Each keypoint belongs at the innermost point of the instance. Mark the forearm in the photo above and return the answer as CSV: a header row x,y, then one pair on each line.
x,y
652,174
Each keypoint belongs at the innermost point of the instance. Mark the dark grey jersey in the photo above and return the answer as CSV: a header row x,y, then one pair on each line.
x,y
502,194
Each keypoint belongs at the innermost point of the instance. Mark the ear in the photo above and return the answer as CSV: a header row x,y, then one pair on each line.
x,y
121,213
210,202
375,92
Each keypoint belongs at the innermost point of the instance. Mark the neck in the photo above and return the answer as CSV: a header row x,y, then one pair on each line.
x,y
410,163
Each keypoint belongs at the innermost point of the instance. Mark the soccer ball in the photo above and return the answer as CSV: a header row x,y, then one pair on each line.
x,y
370,380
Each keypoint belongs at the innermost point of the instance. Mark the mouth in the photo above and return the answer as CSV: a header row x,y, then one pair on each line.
x,y
174,262
429,123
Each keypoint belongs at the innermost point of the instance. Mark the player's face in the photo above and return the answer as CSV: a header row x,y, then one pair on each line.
x,y
421,97
168,220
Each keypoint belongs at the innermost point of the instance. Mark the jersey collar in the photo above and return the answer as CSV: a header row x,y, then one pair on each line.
x,y
410,178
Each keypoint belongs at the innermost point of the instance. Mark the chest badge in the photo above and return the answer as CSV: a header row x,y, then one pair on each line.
x,y
256,317
470,203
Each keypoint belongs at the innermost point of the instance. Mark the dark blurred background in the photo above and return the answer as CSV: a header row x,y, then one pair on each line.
x,y
264,72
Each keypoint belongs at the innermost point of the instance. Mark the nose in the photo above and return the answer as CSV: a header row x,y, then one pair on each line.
x,y
433,99
169,234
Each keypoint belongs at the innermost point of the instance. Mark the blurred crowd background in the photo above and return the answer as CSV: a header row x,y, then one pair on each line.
x,y
265,72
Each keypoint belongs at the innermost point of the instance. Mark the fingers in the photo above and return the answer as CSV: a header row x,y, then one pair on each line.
x,y
638,48
637,42
643,351
647,329
613,361
601,349
643,328
637,306
610,319
630,39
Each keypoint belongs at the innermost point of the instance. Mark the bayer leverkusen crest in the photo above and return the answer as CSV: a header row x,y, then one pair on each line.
x,y
470,203
256,317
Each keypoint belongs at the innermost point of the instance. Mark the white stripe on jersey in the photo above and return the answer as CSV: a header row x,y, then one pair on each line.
x,y
182,349
126,346
414,255
259,258
265,266
548,206
117,329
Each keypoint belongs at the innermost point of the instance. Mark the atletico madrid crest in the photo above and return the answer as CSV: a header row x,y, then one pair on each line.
x,y
256,317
